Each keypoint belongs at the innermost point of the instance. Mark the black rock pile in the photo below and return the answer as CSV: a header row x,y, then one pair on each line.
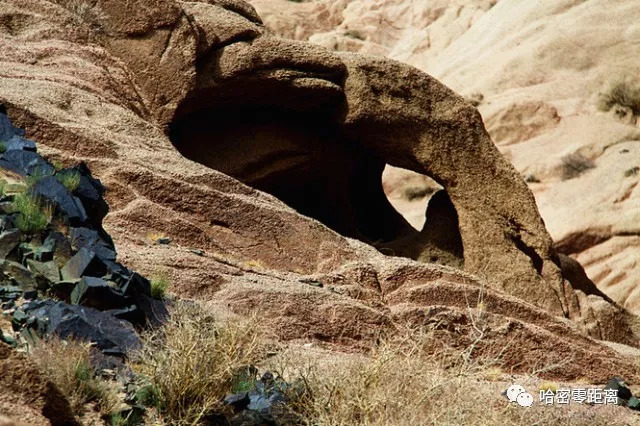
x,y
53,246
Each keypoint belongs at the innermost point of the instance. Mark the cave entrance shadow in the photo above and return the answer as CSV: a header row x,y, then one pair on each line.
x,y
307,164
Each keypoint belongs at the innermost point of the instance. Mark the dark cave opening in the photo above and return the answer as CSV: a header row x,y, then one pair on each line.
x,y
305,162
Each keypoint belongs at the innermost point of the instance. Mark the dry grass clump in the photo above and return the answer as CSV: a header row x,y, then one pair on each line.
x,y
622,93
192,362
67,364
85,11
401,383
573,165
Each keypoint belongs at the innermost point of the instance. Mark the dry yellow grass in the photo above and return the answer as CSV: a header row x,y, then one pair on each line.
x,y
192,362
400,384
67,364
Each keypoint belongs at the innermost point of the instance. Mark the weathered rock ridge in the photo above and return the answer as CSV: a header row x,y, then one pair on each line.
x,y
110,92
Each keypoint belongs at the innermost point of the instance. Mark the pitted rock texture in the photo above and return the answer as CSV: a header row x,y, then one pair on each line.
x,y
110,97
555,59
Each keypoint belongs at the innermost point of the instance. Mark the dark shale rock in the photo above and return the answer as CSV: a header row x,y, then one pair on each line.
x,y
19,275
153,311
90,192
92,240
84,262
136,285
19,143
97,293
62,290
10,292
48,270
49,188
111,335
26,163
616,383
9,240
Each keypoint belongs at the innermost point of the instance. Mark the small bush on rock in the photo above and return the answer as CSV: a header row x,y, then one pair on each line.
x,y
159,285
573,165
623,93
33,214
70,180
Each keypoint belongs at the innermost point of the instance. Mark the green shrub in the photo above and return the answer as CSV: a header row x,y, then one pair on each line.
x,y
35,176
159,284
3,147
69,179
623,93
34,215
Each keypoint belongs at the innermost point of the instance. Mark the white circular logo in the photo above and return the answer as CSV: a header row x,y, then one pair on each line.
x,y
524,399
514,391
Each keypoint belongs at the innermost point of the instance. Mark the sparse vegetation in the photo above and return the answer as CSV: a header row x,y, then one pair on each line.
x,y
401,383
573,165
68,365
160,282
632,171
192,362
622,93
69,179
35,176
33,214
416,192
85,12
475,99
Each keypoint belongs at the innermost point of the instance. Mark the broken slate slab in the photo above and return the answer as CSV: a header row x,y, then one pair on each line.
x,y
19,143
9,240
49,270
84,262
111,335
26,163
50,188
92,240
20,275
97,293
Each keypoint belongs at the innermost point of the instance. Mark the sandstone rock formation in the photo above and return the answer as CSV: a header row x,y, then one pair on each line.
x,y
555,59
111,91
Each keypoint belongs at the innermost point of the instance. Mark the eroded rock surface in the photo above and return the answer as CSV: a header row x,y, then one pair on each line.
x,y
206,74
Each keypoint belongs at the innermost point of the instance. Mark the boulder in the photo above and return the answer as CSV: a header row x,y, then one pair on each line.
x,y
50,189
91,240
49,270
9,240
84,262
111,335
97,293
25,163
